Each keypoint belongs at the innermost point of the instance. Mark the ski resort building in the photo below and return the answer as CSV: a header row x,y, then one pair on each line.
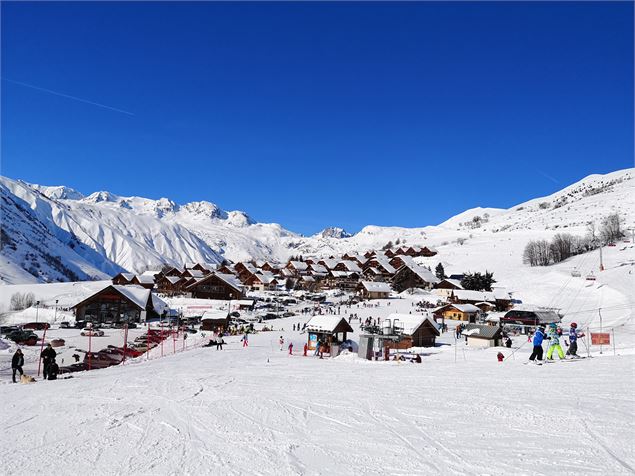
x,y
417,330
119,304
483,336
458,312
332,330
374,290
123,279
413,276
216,286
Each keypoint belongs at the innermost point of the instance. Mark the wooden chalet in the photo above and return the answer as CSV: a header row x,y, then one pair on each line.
x,y
145,281
262,282
417,330
271,267
171,285
172,272
329,263
225,269
119,304
348,265
123,279
346,280
215,286
193,273
298,268
458,312
413,276
428,251
374,290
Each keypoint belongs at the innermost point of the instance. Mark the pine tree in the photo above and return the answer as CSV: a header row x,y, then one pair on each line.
x,y
440,271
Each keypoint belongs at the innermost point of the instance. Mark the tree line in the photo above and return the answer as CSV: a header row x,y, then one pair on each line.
x,y
565,245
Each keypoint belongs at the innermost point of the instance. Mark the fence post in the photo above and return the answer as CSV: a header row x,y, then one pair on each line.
x,y
125,342
588,347
41,350
613,338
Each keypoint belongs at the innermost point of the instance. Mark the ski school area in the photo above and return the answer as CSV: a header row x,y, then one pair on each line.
x,y
367,406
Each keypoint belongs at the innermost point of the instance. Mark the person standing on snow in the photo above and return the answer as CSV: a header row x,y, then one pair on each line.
x,y
17,362
290,348
538,338
48,356
573,340
281,342
306,348
554,343
245,340
53,370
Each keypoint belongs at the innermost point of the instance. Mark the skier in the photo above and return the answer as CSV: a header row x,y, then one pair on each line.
x,y
48,355
554,343
53,370
281,342
17,362
538,338
245,340
306,348
219,341
290,348
508,344
573,341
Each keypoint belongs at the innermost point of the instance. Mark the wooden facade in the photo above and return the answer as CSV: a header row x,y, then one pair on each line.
x,y
214,287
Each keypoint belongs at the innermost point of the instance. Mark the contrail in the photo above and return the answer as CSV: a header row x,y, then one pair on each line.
x,y
27,85
547,176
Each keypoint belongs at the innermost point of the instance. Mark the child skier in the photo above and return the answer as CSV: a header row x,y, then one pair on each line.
x,y
281,342
245,340
290,348
306,348
538,338
554,343
573,340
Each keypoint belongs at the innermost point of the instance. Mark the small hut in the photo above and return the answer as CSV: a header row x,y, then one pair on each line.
x,y
331,330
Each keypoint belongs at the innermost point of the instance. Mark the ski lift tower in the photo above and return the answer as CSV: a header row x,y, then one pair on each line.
x,y
372,343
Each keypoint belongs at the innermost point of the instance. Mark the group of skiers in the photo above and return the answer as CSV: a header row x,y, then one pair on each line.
x,y
553,336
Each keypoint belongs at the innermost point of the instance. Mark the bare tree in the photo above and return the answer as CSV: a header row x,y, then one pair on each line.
x,y
611,229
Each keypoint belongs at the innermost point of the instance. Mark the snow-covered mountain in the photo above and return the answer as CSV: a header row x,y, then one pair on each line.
x,y
69,235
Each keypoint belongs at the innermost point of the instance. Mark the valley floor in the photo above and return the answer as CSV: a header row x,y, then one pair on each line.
x,y
257,410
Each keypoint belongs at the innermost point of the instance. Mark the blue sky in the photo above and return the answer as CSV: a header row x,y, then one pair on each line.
x,y
318,114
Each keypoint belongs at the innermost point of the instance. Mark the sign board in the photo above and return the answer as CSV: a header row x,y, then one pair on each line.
x,y
600,338
312,341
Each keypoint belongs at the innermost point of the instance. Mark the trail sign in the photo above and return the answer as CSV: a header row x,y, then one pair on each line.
x,y
600,338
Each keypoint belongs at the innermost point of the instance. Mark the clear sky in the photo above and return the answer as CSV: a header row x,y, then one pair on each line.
x,y
318,114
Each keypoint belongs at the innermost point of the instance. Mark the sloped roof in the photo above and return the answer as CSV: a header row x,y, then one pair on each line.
x,y
376,286
477,296
329,263
351,265
126,276
482,332
146,279
318,268
299,265
411,322
328,323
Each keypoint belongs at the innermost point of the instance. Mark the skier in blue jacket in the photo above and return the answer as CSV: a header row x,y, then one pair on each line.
x,y
573,340
538,338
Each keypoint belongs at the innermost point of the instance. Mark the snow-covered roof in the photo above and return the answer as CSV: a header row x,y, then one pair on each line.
x,y
424,273
265,278
245,302
231,280
476,296
376,286
126,276
309,279
151,272
173,279
327,323
411,322
465,307
299,265
195,273
453,282
318,268
329,263
341,274
215,314
145,279
137,294
482,331
351,265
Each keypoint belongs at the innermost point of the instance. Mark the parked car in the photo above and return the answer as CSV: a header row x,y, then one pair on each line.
x,y
65,325
38,326
86,331
288,314
23,337
4,330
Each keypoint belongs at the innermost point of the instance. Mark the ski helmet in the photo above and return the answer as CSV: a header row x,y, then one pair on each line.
x,y
574,325
553,325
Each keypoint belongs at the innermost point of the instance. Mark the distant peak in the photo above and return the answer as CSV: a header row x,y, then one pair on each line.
x,y
334,232
102,196
239,219
206,209
59,192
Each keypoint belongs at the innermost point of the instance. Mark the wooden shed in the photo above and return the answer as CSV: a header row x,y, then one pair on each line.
x,y
418,330
116,303
327,328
